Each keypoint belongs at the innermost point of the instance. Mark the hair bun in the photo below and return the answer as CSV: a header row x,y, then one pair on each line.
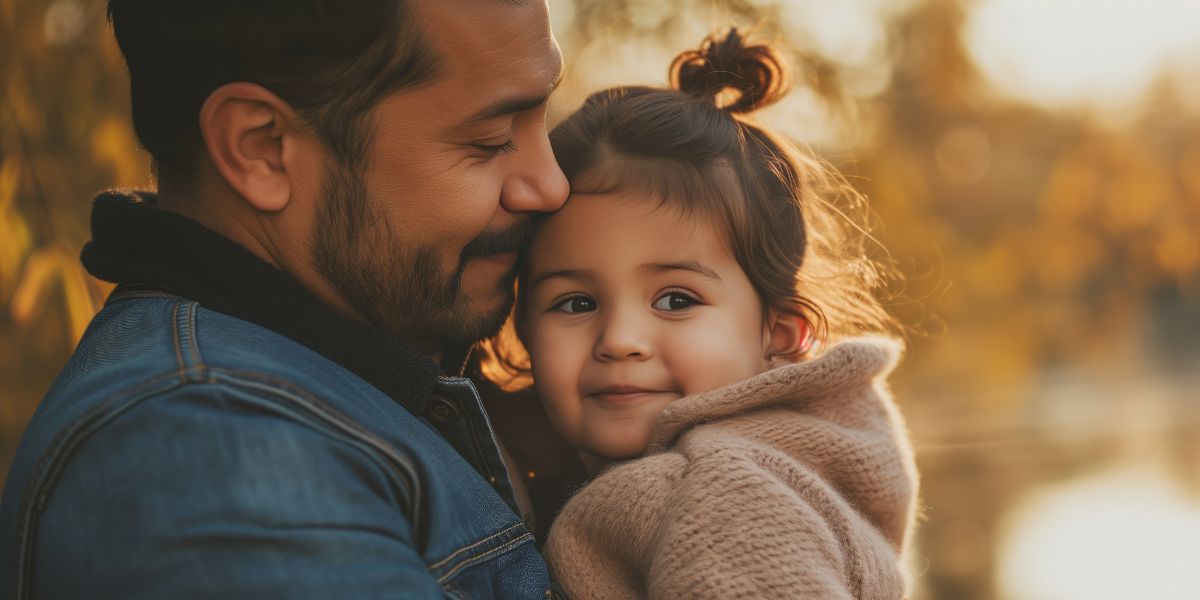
x,y
754,72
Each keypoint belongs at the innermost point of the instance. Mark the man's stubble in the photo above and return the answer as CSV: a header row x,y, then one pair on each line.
x,y
396,287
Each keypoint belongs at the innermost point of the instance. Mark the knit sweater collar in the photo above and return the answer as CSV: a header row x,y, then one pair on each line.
x,y
139,246
854,363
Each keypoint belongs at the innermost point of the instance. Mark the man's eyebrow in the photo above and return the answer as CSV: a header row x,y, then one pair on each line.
x,y
688,265
572,274
510,106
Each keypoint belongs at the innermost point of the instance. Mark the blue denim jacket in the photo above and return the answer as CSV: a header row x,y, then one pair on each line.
x,y
187,453
184,452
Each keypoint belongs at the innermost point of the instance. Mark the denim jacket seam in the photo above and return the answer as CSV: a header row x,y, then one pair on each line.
x,y
475,559
475,426
59,451
297,394
486,426
472,425
181,365
498,543
190,328
453,591
285,387
441,563
479,449
190,364
482,454
44,475
122,295
190,368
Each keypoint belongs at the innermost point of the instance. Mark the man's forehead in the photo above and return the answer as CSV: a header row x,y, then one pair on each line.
x,y
490,48
496,57
473,35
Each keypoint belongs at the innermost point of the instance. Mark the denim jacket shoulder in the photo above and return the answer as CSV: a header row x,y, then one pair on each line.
x,y
186,452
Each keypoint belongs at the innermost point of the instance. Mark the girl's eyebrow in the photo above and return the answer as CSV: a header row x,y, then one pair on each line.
x,y
688,265
581,275
586,275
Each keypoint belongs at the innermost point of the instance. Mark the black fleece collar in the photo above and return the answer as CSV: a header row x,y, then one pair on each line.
x,y
139,246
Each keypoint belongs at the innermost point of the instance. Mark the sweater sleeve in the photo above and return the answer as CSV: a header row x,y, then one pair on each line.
x,y
602,543
748,520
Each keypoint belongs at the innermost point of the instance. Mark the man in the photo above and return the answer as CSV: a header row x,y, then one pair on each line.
x,y
258,409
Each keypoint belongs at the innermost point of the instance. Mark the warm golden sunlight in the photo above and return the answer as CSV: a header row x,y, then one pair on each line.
x,y
1105,55
1033,173
1125,532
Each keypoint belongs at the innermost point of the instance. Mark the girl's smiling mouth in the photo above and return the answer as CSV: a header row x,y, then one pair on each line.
x,y
624,395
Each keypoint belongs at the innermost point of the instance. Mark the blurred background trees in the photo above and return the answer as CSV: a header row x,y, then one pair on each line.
x,y
1047,226
64,134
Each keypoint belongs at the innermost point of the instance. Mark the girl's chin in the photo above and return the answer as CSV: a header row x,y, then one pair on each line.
x,y
602,453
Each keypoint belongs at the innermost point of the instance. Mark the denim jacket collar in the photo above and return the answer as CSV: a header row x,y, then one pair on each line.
x,y
141,247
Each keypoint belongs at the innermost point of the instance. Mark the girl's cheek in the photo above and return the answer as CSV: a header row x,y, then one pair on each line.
x,y
556,353
710,353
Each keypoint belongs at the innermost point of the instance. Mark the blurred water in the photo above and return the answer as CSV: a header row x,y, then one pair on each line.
x,y
1127,531
1092,491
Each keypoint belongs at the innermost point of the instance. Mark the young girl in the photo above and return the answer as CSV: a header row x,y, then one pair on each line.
x,y
670,311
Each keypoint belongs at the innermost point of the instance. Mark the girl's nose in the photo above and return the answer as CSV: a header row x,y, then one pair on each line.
x,y
623,339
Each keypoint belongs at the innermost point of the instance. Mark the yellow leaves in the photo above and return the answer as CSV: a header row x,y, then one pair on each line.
x,y
996,271
7,10
1177,249
1111,182
24,110
53,146
48,269
1189,171
38,277
14,245
1135,196
1071,191
1066,260
10,176
14,232
1112,212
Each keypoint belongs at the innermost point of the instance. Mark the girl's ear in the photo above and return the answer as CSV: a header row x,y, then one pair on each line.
x,y
788,336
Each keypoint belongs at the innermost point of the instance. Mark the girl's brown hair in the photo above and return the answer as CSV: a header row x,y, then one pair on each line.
x,y
692,147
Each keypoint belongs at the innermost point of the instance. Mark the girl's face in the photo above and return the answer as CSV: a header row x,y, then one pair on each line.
x,y
628,306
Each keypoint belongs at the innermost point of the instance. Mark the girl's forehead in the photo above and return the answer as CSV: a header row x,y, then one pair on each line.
x,y
624,230
620,214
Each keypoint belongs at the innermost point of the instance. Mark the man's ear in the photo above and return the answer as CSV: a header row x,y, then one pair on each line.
x,y
245,128
788,337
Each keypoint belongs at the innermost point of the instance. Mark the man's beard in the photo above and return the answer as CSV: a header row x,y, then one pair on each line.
x,y
395,286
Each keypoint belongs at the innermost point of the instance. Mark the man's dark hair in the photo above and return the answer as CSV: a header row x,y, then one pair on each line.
x,y
332,60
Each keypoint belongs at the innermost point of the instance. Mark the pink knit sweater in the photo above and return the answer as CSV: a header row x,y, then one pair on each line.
x,y
796,483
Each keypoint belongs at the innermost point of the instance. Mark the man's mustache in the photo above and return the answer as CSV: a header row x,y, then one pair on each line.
x,y
504,241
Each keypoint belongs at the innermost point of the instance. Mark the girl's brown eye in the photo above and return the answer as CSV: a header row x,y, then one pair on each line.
x,y
674,301
575,304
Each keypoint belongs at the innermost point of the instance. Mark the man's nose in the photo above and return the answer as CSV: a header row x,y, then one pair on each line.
x,y
536,184
622,338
